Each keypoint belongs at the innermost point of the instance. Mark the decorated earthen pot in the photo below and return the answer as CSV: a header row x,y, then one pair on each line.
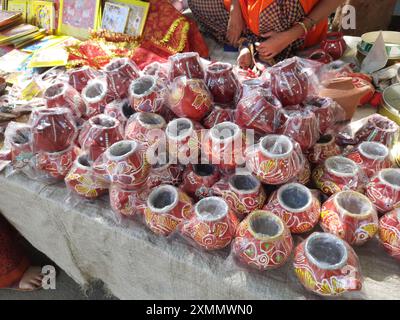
x,y
289,82
198,180
98,134
275,160
338,174
62,95
334,45
263,241
189,98
96,96
120,110
300,125
124,164
304,177
350,216
146,128
222,82
384,190
128,203
242,192
372,157
260,111
165,173
186,64
20,142
53,130
79,78
327,265
217,116
82,181
224,145
212,226
297,206
147,94
321,56
247,86
389,233
56,165
325,148
166,208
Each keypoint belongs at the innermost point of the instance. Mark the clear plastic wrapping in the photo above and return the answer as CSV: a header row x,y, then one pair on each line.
x,y
158,70
186,64
145,128
79,78
97,95
217,116
18,140
120,110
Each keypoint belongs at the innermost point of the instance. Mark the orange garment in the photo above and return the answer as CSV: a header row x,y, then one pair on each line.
x,y
251,10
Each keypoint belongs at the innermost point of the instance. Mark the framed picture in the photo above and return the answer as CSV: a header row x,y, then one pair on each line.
x,y
44,15
115,17
77,18
137,16
19,6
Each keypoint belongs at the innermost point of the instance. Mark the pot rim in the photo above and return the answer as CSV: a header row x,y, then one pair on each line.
x,y
298,186
64,87
323,265
214,136
341,174
124,143
80,165
377,145
331,140
104,116
350,193
250,191
100,97
123,62
384,180
150,90
270,155
260,236
219,201
140,116
226,66
154,194
181,137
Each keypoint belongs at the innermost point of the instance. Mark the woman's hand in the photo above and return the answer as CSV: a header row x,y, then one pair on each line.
x,y
245,60
275,44
236,26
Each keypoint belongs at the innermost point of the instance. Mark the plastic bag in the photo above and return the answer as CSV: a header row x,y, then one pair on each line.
x,y
185,64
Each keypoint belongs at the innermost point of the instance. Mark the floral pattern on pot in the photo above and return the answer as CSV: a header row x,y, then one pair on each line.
x,y
120,110
327,265
198,180
145,128
186,64
325,148
350,216
389,233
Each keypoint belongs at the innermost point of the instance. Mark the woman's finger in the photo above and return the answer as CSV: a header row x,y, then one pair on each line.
x,y
268,34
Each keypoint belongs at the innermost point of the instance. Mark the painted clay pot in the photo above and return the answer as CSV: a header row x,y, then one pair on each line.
x,y
339,174
98,134
96,96
212,226
243,193
56,165
262,241
372,157
79,78
198,180
325,148
128,203
327,111
289,82
186,64
260,111
224,145
304,176
53,130
343,91
361,83
327,265
118,73
183,141
21,142
247,86
334,45
321,56
297,206
165,174
158,70
189,98
120,110
350,216
145,128
217,116
124,164
222,83
147,94
82,181
301,126
275,159
166,208
389,233
62,95
384,190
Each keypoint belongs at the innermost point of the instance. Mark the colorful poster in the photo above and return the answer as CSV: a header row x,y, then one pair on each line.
x,y
115,17
43,15
137,16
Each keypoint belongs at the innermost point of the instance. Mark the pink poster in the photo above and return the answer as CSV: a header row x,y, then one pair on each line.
x,y
79,14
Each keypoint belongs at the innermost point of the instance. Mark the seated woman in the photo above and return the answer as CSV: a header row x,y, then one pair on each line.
x,y
15,270
268,29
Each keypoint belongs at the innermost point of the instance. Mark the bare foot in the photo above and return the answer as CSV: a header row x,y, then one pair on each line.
x,y
31,280
245,60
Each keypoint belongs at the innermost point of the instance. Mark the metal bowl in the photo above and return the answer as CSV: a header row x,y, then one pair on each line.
x,y
390,106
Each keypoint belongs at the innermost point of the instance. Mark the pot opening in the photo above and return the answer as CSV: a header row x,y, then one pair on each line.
x,y
95,90
211,209
325,139
84,161
204,170
122,148
295,197
354,203
317,56
219,67
275,146
143,86
326,251
266,224
22,136
341,166
373,150
225,131
55,90
126,109
392,177
163,199
252,83
150,119
180,128
244,183
103,121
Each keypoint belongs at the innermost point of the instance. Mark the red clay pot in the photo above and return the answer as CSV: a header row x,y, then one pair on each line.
x,y
325,148
96,96
217,116
389,233
198,180
321,56
79,78
145,128
120,110
334,44
186,64
147,94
